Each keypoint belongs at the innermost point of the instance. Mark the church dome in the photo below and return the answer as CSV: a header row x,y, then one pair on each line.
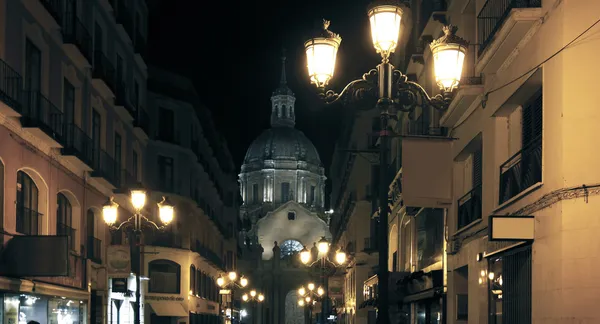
x,y
282,143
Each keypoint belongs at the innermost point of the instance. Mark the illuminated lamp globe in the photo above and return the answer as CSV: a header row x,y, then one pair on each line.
x,y
253,293
323,245
301,302
261,297
166,211
138,199
320,291
385,17
321,55
220,281
305,256
232,275
110,211
243,281
449,53
311,286
301,291
340,257
245,297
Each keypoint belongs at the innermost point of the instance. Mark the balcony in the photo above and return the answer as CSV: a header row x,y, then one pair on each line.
x,y
78,147
54,8
103,74
502,29
168,136
167,239
471,86
124,17
69,232
105,168
123,105
28,220
469,207
77,39
43,118
11,84
141,124
433,17
209,255
139,45
94,250
521,171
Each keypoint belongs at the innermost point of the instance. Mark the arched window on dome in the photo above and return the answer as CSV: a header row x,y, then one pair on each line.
x,y
290,247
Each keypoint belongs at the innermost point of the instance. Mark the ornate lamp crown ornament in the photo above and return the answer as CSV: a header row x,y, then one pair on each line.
x,y
324,32
449,37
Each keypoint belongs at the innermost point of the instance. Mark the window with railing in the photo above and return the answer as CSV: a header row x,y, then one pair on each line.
x,y
165,276
469,205
524,168
166,173
494,13
64,219
28,217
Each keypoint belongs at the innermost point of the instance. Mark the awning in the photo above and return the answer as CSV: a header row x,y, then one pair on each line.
x,y
173,309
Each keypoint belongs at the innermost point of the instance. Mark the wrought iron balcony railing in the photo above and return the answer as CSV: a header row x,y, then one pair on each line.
x,y
469,207
142,121
521,171
39,112
104,70
94,250
105,166
209,255
28,220
74,32
79,144
11,84
68,231
494,13
167,239
55,9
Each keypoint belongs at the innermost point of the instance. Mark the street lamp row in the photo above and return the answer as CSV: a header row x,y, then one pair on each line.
x,y
393,91
110,214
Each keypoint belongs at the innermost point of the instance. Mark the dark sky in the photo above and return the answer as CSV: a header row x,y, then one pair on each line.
x,y
232,50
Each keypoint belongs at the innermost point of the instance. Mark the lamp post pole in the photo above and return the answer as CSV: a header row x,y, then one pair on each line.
x,y
393,92
110,215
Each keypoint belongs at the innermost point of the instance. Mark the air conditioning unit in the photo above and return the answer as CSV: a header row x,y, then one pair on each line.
x,y
453,247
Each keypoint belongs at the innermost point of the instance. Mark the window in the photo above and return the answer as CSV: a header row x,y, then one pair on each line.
x,y
165,173
166,118
118,150
290,247
27,205
509,282
96,136
33,67
285,191
64,219
98,38
134,166
469,205
255,193
136,94
94,245
68,102
164,277
312,195
291,215
430,237
193,279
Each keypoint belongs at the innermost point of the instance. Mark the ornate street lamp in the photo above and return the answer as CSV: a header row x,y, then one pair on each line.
x,y
323,247
254,298
393,92
110,210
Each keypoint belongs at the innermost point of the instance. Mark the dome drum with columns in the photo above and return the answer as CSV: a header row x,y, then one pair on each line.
x,y
282,164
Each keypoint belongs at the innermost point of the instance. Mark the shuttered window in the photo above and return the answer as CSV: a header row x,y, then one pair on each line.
x,y
532,119
477,168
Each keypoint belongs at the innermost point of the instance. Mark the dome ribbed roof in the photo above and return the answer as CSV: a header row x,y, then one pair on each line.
x,y
282,143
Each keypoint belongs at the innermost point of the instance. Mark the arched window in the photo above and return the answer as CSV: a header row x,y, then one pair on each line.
x,y
28,217
64,219
193,279
165,277
290,247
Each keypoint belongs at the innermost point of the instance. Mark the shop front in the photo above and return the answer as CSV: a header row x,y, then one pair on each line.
x,y
424,296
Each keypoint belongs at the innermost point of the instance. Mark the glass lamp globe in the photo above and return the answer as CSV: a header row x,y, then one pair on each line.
x,y
301,302
253,293
110,211
385,17
301,291
166,211
320,291
323,246
311,286
261,297
449,53
243,282
305,256
321,55
340,257
220,281
245,297
138,199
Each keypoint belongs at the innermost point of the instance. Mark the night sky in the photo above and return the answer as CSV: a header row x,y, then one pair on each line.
x,y
231,50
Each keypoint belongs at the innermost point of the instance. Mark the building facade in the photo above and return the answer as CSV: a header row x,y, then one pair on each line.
x,y
282,184
72,90
188,161
354,175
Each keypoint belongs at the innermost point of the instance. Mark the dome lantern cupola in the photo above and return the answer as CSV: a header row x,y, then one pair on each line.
x,y
282,102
